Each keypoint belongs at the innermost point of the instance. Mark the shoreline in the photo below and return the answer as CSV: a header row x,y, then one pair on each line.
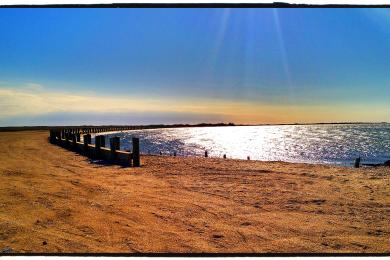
x,y
260,161
158,126
56,201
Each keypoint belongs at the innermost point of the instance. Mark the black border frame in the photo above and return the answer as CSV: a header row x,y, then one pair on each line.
x,y
197,5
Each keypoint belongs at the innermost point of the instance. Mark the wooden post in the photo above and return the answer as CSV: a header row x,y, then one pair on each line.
x,y
114,145
102,141
206,154
224,156
74,144
98,144
87,141
67,142
136,157
58,136
357,162
52,137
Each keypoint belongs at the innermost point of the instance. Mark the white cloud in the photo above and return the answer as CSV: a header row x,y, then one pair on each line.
x,y
30,86
33,100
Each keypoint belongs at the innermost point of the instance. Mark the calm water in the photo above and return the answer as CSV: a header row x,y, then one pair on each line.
x,y
329,144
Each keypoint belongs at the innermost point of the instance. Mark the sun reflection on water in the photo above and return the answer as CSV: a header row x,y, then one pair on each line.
x,y
331,144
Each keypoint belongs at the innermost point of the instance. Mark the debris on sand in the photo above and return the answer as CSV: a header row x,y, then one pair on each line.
x,y
6,250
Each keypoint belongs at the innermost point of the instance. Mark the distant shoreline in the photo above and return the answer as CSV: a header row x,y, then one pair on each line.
x,y
156,126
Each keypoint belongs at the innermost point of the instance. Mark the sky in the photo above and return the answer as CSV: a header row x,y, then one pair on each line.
x,y
170,65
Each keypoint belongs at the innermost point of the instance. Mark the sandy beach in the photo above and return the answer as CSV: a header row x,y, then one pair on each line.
x,y
53,200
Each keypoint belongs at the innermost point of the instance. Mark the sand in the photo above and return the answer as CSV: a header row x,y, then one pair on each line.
x,y
53,200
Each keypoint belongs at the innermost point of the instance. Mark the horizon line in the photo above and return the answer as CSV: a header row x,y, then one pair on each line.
x,y
191,125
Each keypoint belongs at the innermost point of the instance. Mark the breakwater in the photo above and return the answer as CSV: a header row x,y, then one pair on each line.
x,y
70,138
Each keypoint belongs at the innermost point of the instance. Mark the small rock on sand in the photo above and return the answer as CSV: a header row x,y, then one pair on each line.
x,y
6,250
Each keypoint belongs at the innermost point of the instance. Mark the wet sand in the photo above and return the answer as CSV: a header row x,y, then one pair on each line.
x,y
54,200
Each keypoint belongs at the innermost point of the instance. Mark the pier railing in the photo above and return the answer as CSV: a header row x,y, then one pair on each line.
x,y
70,139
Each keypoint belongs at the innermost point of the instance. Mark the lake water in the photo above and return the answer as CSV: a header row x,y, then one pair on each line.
x,y
328,144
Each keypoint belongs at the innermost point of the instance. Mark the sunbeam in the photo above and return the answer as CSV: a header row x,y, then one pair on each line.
x,y
220,36
283,53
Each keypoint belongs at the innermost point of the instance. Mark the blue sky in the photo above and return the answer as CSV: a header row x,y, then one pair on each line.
x,y
193,65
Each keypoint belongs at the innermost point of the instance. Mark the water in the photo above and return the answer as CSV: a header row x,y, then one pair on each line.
x,y
327,144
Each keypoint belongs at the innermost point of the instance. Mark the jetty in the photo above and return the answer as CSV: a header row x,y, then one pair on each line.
x,y
70,138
